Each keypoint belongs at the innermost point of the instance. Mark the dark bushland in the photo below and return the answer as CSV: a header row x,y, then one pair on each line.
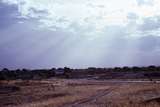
x,y
91,72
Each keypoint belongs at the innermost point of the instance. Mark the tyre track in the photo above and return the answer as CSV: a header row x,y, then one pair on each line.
x,y
92,98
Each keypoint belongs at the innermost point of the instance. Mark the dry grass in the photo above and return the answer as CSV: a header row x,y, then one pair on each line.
x,y
84,93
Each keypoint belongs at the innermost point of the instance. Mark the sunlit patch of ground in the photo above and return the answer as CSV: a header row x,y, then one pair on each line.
x,y
79,93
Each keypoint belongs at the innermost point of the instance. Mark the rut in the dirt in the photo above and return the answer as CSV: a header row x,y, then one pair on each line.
x,y
92,98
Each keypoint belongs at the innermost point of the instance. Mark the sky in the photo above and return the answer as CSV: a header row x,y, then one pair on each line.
x,y
79,33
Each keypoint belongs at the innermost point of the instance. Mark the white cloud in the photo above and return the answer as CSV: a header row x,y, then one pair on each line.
x,y
95,14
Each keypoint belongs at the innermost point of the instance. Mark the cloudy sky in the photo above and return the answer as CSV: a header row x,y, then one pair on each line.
x,y
79,33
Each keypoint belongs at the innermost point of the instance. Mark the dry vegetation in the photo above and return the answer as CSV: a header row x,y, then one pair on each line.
x,y
78,93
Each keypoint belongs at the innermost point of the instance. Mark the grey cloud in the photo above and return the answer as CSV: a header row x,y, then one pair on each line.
x,y
8,15
148,43
36,14
145,2
141,51
149,24
132,16
39,49
25,47
32,48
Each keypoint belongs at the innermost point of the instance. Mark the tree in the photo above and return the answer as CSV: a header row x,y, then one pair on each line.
x,y
135,68
67,72
5,70
117,69
126,69
152,68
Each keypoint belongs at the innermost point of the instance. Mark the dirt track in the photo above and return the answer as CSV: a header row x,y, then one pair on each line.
x,y
90,99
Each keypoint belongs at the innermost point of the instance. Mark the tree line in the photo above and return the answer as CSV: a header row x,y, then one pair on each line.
x,y
26,74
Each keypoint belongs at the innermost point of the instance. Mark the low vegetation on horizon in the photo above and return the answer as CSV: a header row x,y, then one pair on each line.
x,y
99,73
